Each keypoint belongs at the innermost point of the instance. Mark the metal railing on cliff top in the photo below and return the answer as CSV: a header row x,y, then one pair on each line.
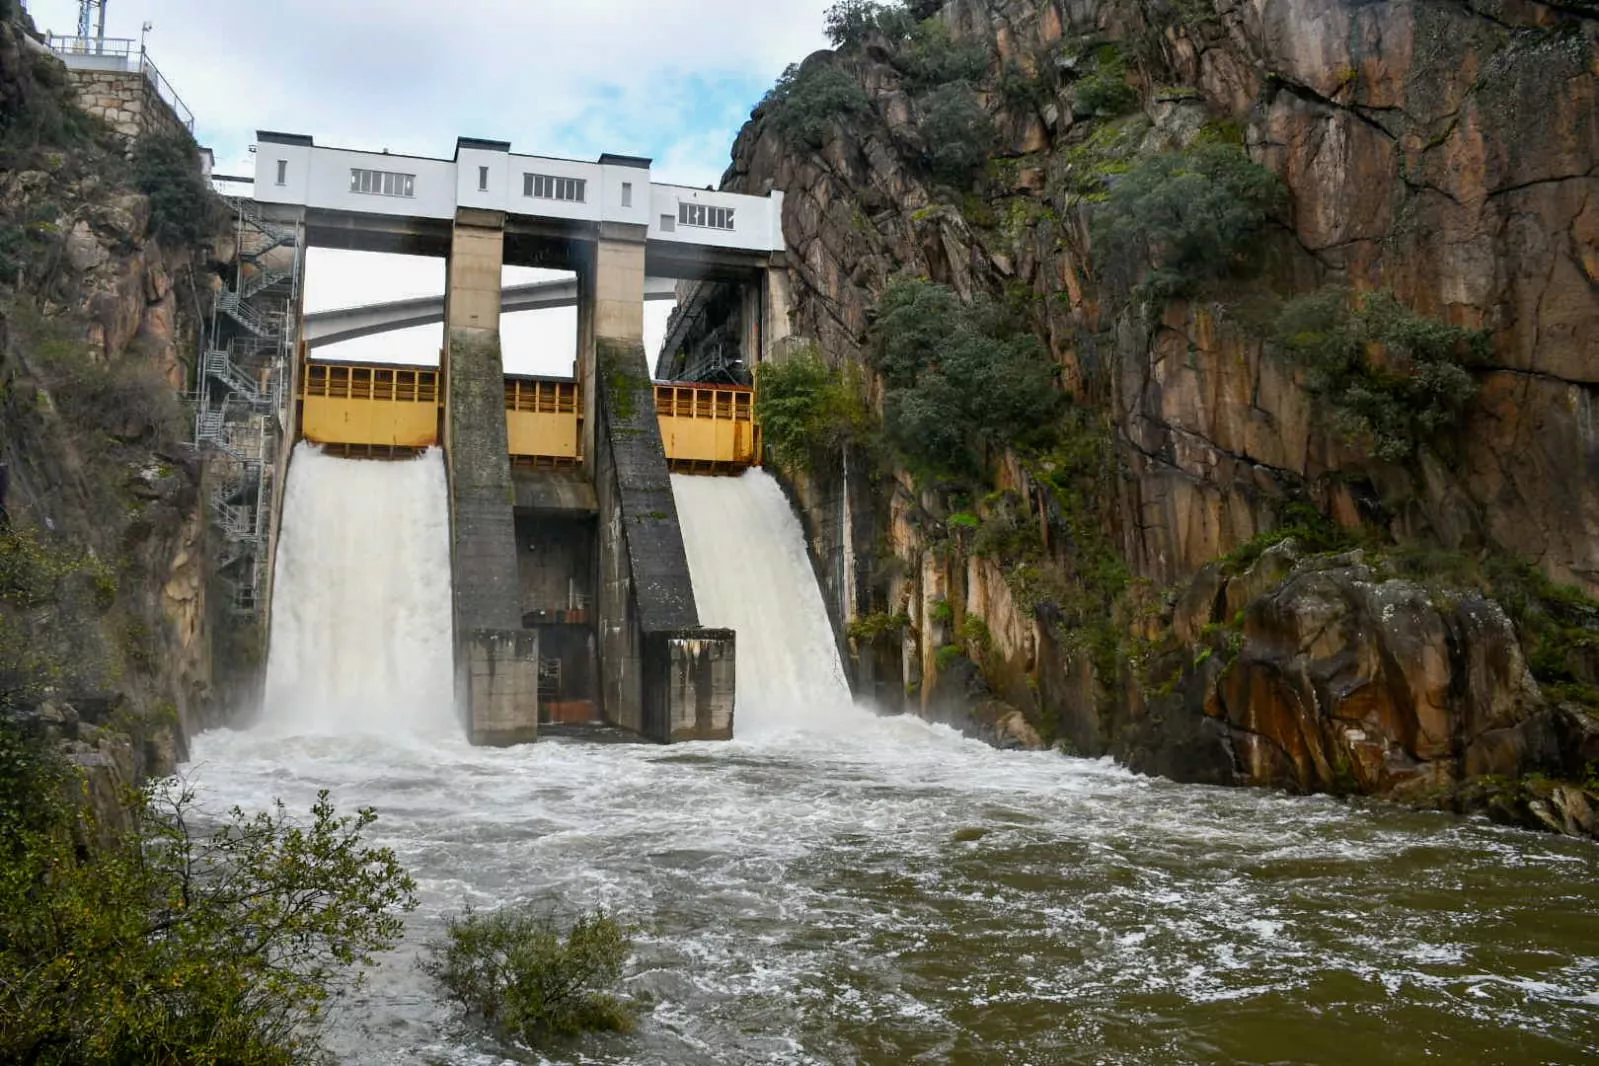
x,y
120,54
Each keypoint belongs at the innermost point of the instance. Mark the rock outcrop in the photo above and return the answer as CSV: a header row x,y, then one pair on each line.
x,y
1445,151
99,329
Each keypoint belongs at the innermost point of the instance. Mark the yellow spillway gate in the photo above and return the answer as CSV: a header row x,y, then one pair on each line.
x,y
369,408
543,421
708,429
377,410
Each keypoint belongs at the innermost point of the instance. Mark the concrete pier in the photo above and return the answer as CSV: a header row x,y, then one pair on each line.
x,y
496,662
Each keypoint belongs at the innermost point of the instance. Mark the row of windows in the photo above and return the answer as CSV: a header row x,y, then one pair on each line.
x,y
539,187
549,187
382,182
705,215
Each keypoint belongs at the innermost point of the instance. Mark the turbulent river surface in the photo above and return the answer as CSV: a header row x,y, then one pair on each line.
x,y
834,887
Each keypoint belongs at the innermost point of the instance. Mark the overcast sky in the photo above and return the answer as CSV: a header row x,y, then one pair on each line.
x,y
669,79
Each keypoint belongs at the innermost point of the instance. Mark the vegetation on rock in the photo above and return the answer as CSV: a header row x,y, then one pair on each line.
x,y
1392,377
166,168
1178,220
958,378
810,101
810,410
958,132
1103,91
518,971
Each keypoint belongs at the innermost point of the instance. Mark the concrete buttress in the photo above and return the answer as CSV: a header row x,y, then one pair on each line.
x,y
663,675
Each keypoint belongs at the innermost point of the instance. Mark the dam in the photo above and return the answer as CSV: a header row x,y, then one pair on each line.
x,y
572,600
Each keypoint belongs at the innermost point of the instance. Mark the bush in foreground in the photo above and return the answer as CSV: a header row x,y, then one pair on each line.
x,y
163,944
516,970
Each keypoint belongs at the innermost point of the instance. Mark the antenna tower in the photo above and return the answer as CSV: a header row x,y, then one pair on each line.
x,y
86,20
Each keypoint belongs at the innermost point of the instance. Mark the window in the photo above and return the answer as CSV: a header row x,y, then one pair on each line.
x,y
482,179
283,172
627,194
547,187
668,224
382,183
705,215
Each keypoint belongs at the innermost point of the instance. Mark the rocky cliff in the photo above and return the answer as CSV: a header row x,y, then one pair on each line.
x,y
104,577
1441,153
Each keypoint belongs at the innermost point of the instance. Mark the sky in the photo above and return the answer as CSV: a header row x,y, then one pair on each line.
x,y
672,80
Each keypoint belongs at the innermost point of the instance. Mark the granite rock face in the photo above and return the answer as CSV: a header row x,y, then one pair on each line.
x,y
1444,150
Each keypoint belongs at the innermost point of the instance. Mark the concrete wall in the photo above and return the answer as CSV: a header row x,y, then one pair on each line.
x,y
692,677
757,221
500,671
320,178
126,101
556,557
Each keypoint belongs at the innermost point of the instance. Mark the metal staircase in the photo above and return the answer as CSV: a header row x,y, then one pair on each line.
x,y
239,410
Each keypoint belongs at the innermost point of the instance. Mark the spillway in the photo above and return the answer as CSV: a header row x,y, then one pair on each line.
x,y
361,625
747,557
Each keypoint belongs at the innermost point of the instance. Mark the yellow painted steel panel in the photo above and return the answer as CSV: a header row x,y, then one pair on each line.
x,y
396,424
708,425
541,434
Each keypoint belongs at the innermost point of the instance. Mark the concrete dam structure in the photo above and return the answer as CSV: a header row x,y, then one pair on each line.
x,y
571,599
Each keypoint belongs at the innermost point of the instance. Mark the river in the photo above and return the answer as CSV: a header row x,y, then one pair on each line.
x,y
835,887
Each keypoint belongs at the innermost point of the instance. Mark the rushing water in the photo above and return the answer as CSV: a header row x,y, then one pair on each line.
x,y
838,888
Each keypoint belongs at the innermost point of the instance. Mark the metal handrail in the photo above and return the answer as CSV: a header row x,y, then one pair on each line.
x,y
72,44
165,91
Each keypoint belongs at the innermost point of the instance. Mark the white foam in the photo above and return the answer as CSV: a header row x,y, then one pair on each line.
x,y
361,632
747,556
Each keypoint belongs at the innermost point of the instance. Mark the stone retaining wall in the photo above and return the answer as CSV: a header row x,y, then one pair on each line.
x,y
126,101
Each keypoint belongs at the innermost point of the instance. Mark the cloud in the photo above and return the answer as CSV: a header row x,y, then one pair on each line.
x,y
672,79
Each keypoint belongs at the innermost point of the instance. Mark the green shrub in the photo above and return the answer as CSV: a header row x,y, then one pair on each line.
x,y
1314,532
1393,377
957,378
163,945
850,22
809,411
807,102
1104,91
948,656
1020,90
166,168
41,114
958,132
878,627
930,57
516,970
1177,220
974,635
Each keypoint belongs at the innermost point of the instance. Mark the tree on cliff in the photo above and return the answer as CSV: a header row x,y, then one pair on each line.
x,y
163,943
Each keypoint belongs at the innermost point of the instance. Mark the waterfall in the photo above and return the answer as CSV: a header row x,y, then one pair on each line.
x,y
361,626
746,554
